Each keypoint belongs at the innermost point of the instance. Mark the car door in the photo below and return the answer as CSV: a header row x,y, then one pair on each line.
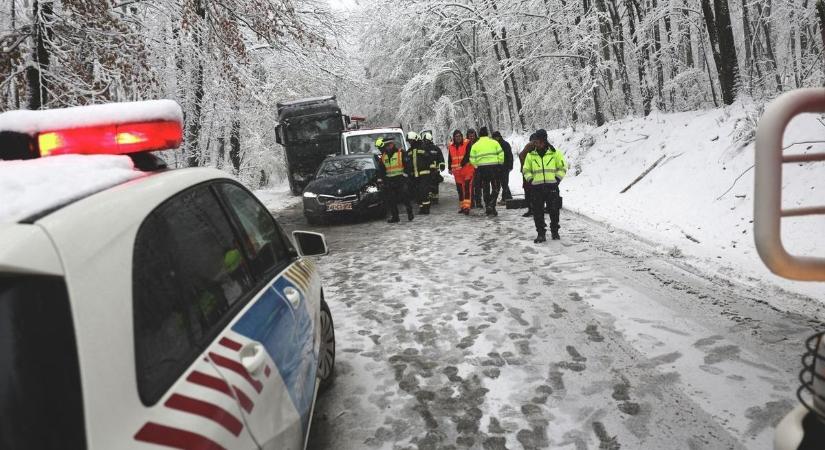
x,y
189,282
275,339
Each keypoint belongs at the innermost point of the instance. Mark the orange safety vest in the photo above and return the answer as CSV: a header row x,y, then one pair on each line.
x,y
457,154
393,166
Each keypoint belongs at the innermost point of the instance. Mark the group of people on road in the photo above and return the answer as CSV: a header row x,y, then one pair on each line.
x,y
481,166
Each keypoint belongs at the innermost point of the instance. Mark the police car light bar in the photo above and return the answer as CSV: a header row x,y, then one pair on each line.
x,y
111,139
113,128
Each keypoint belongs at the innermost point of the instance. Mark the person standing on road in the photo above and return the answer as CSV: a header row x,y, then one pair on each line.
x,y
525,185
421,179
393,171
507,168
544,168
475,199
487,156
436,164
463,174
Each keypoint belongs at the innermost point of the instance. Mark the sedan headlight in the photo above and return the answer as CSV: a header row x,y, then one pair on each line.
x,y
371,189
308,194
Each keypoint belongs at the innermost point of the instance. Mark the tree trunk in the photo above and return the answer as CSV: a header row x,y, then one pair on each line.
x,y
746,26
657,60
235,143
193,128
618,51
641,55
687,39
820,14
37,84
766,29
717,21
513,82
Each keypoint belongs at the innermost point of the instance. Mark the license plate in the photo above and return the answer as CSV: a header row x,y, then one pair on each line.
x,y
339,206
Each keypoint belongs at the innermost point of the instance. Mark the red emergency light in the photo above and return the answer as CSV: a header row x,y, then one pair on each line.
x,y
118,139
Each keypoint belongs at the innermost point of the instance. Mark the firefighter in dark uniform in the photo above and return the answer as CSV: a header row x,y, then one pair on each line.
x,y
420,171
393,172
436,166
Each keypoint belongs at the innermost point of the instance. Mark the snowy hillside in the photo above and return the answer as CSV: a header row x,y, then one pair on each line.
x,y
689,203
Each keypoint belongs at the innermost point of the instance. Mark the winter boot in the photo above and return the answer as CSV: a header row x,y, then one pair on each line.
x,y
540,238
527,214
465,211
393,220
493,212
555,235
410,215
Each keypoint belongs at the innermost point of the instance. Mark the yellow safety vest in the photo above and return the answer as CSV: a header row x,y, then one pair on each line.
x,y
486,152
539,169
393,164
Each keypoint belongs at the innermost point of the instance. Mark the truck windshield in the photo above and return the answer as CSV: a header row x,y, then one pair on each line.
x,y
365,143
311,128
40,398
342,166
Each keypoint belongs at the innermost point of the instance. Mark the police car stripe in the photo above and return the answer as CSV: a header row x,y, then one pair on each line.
x,y
236,367
230,344
204,409
154,433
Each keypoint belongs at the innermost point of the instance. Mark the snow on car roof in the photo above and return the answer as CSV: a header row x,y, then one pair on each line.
x,y
364,131
33,122
31,187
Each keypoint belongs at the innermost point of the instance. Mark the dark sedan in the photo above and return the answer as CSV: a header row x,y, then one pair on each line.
x,y
344,186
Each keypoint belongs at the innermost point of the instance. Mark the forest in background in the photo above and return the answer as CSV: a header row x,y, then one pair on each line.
x,y
512,65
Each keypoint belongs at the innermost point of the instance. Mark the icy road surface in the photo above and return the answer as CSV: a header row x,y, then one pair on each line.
x,y
459,332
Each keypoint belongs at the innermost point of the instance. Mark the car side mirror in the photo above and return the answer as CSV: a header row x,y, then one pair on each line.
x,y
310,244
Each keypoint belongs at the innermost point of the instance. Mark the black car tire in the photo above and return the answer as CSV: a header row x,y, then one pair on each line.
x,y
326,351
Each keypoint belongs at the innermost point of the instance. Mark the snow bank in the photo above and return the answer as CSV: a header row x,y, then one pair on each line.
x,y
277,198
691,203
32,122
32,186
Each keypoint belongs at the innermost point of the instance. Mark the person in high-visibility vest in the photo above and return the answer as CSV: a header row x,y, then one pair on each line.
x,y
463,173
420,171
475,199
393,172
544,168
525,185
487,156
437,164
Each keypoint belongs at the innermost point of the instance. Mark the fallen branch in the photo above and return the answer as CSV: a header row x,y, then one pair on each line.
x,y
644,136
803,142
639,178
734,182
691,238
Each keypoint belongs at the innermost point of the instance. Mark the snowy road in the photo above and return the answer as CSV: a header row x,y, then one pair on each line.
x,y
457,332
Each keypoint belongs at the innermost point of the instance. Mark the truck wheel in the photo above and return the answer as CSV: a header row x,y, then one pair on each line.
x,y
326,351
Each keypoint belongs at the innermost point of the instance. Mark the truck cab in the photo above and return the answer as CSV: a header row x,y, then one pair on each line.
x,y
309,130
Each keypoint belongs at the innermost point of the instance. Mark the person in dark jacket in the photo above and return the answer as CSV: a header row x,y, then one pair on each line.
x,y
394,170
506,169
436,166
421,170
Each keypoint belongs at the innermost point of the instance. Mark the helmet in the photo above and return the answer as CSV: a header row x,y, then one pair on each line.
x,y
379,143
427,136
412,136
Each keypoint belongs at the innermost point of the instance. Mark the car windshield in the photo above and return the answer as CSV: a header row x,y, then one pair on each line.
x,y
341,166
311,128
365,143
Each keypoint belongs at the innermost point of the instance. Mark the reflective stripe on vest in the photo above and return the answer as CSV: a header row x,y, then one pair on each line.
x,y
416,152
393,164
486,152
544,170
457,154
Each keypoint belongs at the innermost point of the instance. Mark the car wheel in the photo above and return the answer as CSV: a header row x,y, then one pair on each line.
x,y
326,351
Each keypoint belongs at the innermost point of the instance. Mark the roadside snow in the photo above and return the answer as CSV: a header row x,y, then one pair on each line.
x,y
33,122
32,186
277,198
691,203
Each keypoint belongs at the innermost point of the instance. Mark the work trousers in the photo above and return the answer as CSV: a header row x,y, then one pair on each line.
x,y
422,186
396,191
541,195
490,179
476,192
505,185
464,185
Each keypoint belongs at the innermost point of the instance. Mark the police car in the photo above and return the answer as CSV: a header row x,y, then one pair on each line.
x,y
148,308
